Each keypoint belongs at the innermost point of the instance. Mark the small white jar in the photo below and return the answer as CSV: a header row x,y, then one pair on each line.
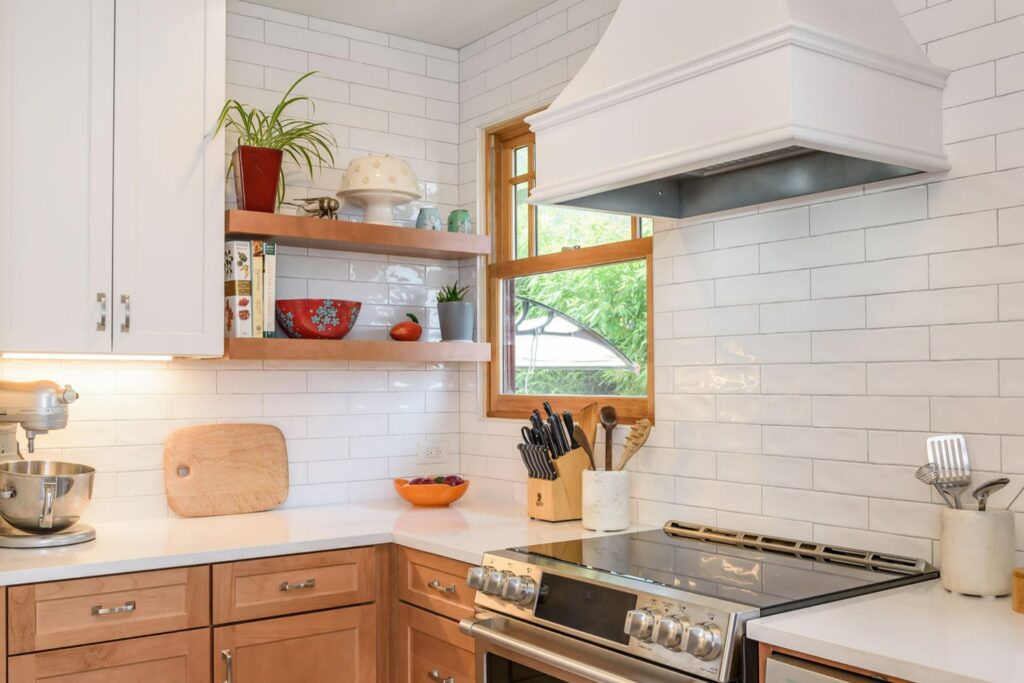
x,y
605,500
976,552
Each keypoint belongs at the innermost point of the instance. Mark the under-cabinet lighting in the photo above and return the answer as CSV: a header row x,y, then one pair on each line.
x,y
83,356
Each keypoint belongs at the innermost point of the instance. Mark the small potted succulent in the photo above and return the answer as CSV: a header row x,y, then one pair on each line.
x,y
264,139
456,314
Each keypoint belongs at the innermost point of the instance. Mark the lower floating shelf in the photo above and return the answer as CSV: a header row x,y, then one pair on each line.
x,y
356,349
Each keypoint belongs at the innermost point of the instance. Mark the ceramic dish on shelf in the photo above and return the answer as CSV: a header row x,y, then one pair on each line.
x,y
317,318
378,184
430,495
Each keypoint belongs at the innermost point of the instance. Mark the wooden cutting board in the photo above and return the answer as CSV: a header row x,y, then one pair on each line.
x,y
225,469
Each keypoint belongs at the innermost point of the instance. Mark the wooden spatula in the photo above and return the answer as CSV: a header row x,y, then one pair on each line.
x,y
635,440
587,419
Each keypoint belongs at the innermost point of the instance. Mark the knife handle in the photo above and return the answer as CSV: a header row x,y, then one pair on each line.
x,y
570,427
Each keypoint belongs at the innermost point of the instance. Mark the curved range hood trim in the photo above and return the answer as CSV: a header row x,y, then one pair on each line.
x,y
893,131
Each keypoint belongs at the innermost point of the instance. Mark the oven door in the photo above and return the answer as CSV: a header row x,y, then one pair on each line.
x,y
513,651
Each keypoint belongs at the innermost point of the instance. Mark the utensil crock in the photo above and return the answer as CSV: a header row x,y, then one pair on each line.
x,y
44,496
605,500
977,552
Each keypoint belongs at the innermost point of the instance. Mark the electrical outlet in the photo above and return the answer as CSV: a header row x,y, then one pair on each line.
x,y
427,454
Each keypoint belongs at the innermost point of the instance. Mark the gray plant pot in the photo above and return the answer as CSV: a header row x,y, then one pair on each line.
x,y
458,319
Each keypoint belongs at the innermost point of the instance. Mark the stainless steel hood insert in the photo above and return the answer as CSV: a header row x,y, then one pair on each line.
x,y
688,107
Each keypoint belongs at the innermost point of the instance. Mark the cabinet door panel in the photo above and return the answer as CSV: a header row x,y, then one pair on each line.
x,y
174,658
169,177
56,173
321,647
430,645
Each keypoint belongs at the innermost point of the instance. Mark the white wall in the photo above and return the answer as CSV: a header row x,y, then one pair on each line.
x,y
805,350
350,427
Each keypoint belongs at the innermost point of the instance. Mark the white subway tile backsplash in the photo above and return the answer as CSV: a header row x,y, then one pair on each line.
x,y
1010,149
871,412
976,193
815,506
379,55
768,470
1011,225
877,481
870,345
710,322
803,316
715,264
985,117
765,410
765,348
936,307
882,208
759,228
836,379
720,495
968,378
756,289
948,18
983,44
982,340
718,379
969,85
712,436
683,296
813,252
978,415
1011,302
306,40
876,277
1011,378
951,233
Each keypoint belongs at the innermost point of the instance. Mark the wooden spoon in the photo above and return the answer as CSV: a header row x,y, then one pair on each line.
x,y
587,419
635,440
609,420
584,442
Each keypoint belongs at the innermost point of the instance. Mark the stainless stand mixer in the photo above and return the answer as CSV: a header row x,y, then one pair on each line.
x,y
40,501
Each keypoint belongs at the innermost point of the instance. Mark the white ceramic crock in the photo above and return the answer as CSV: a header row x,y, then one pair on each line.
x,y
976,551
605,500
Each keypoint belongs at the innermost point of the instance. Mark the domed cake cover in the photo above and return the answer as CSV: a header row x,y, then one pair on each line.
x,y
380,174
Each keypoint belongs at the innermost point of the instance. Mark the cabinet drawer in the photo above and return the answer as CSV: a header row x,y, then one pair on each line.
x,y
43,616
322,647
293,583
434,583
178,657
431,648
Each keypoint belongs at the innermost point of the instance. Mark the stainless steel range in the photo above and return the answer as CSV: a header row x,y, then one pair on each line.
x,y
661,606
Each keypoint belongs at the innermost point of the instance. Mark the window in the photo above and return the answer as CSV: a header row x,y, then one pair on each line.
x,y
568,296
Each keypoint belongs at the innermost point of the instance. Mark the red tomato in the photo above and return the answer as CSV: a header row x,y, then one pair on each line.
x,y
409,330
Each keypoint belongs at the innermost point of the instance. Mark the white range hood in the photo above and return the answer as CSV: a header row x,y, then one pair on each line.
x,y
688,107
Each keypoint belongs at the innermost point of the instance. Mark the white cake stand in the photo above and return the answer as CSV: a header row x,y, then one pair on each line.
x,y
378,205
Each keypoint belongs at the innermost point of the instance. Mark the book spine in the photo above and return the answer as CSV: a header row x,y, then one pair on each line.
x,y
237,289
269,288
257,289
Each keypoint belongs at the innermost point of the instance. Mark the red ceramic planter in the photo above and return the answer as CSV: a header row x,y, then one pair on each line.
x,y
257,172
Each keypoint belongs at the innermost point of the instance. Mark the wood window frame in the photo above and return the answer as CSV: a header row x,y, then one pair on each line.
x,y
501,142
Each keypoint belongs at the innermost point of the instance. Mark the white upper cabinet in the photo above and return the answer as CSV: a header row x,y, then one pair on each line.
x,y
169,177
111,185
56,177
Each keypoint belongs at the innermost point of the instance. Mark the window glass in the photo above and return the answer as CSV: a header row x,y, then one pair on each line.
x,y
560,227
646,226
521,218
578,332
521,164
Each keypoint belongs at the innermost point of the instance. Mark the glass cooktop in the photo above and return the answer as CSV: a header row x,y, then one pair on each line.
x,y
774,575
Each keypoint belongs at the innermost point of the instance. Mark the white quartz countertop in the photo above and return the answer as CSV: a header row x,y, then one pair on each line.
x,y
462,532
919,633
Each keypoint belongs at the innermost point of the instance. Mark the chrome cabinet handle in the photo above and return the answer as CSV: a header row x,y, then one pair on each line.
x,y
435,675
226,654
285,586
126,300
100,610
436,585
101,299
49,495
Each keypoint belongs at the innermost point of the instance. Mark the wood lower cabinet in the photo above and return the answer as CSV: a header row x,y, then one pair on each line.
x,y
173,658
322,647
434,583
430,647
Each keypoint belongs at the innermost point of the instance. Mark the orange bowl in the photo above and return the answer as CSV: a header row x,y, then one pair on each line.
x,y
430,495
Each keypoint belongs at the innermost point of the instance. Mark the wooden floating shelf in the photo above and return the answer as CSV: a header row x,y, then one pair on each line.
x,y
356,349
321,233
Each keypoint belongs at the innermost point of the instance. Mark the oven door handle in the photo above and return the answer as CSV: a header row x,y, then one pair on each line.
x,y
478,628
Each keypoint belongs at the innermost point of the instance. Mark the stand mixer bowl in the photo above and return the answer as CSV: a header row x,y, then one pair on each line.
x,y
44,496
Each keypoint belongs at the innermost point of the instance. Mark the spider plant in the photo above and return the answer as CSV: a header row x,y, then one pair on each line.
x,y
305,142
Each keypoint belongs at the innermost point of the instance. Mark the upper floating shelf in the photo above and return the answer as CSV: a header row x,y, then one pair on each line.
x,y
320,233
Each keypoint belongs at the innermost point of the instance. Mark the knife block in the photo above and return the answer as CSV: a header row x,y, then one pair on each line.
x,y
561,499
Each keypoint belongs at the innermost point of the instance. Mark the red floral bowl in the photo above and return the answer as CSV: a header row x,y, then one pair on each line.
x,y
317,318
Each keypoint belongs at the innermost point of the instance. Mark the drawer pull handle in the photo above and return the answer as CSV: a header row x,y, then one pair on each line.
x,y
228,664
436,585
308,583
435,675
100,610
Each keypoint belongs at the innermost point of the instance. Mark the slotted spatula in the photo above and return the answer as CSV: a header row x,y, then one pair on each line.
x,y
949,454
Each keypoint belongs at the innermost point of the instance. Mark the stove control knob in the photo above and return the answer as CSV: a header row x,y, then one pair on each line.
x,y
669,632
704,641
476,576
639,624
519,589
495,581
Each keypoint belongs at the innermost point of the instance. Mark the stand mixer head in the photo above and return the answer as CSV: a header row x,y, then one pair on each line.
x,y
37,406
